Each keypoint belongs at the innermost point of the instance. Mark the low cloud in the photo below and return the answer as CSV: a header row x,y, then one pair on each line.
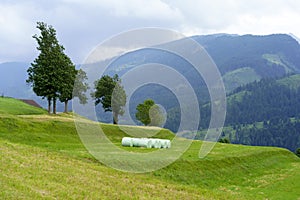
x,y
82,25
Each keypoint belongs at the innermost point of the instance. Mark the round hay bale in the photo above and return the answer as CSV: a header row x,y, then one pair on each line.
x,y
127,142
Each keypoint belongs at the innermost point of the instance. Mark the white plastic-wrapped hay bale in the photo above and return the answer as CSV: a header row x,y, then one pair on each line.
x,y
156,143
141,142
165,143
127,142
146,142
135,141
161,143
169,144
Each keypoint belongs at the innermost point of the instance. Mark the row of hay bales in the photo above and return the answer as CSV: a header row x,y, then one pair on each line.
x,y
146,142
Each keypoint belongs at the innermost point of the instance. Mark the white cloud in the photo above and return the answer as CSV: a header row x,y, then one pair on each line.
x,y
235,16
15,31
81,25
143,9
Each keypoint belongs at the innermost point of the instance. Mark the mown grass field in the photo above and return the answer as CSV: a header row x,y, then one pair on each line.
x,y
43,157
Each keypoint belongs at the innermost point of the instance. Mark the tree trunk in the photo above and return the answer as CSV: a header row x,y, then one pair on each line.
x,y
49,105
54,105
66,106
115,118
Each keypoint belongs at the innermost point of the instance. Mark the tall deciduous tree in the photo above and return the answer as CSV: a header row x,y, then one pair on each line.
x,y
47,74
149,113
111,95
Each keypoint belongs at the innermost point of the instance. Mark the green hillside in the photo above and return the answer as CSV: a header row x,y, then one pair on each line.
x,y
17,107
277,60
265,113
42,157
238,77
292,81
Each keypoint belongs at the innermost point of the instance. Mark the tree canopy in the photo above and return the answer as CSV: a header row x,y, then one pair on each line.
x,y
42,73
52,73
111,94
149,113
74,86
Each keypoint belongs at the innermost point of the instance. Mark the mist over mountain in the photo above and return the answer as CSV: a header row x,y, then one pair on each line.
x,y
240,59
270,55
13,83
13,80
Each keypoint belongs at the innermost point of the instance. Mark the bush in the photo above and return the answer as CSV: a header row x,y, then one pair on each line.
x,y
224,140
298,152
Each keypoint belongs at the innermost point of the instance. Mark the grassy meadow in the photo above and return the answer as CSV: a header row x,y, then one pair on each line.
x,y
42,157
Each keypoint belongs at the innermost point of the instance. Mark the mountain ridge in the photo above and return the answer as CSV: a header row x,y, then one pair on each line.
x,y
241,60
269,56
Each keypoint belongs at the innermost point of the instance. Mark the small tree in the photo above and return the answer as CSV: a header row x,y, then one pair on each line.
x,y
111,95
298,152
75,85
66,88
81,86
149,113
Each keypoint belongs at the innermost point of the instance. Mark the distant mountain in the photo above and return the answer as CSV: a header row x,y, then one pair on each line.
x,y
264,100
240,59
269,55
12,80
264,113
295,37
13,83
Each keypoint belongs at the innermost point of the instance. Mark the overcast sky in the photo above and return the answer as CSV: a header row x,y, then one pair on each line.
x,y
81,25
